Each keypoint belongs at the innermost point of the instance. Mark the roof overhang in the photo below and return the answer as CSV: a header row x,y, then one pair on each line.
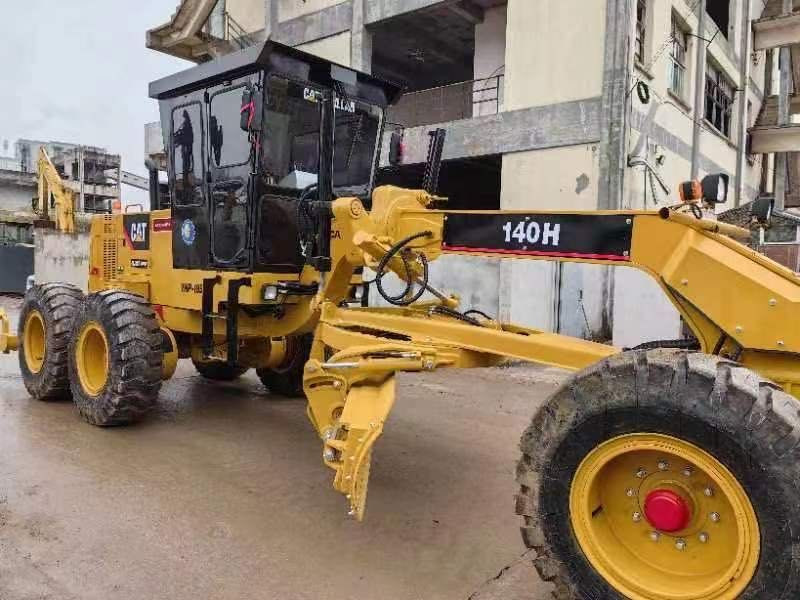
x,y
182,36
776,32
766,140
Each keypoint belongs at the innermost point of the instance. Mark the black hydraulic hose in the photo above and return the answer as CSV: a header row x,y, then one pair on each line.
x,y
403,299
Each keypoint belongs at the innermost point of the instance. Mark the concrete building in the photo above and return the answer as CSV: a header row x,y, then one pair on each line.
x,y
562,105
93,173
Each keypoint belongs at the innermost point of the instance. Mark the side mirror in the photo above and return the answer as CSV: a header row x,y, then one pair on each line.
x,y
715,188
252,109
396,148
761,210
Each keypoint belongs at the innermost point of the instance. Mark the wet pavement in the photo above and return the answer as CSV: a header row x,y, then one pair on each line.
x,y
222,494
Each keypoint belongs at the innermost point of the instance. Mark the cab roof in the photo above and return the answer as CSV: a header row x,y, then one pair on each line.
x,y
277,59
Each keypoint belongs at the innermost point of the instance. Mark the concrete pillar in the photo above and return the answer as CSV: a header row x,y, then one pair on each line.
x,y
360,39
81,174
781,159
271,19
615,105
744,67
699,89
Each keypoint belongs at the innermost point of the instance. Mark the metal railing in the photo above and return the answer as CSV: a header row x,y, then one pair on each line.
x,y
453,102
236,34
8,163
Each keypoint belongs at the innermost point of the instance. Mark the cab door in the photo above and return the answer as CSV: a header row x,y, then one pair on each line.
x,y
190,231
231,155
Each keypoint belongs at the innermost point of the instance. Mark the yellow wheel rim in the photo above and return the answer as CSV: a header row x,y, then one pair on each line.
x,y
35,341
616,507
91,358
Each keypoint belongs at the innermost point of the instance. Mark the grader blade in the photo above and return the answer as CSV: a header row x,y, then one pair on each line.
x,y
363,418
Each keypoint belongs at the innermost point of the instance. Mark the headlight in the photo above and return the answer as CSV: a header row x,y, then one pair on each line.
x,y
270,293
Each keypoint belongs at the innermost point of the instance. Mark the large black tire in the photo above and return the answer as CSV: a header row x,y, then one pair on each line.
x,y
57,303
218,370
745,422
287,380
134,358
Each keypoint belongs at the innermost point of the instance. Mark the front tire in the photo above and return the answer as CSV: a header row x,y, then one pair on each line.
x,y
710,436
116,354
45,324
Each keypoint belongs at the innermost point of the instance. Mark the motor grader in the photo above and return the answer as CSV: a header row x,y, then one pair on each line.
x,y
666,472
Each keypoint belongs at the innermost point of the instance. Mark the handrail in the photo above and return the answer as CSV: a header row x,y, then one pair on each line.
x,y
235,33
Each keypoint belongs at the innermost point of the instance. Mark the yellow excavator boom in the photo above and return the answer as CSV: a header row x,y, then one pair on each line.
x,y
55,195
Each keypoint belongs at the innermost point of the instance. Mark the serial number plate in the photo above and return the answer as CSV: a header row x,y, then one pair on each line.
x,y
591,237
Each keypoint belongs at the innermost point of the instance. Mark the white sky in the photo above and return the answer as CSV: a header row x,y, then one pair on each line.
x,y
78,70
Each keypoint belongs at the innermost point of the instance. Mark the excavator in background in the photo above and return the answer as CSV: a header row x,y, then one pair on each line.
x,y
667,472
54,196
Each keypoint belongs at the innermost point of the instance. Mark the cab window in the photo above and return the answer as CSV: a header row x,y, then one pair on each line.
x,y
187,154
230,146
291,139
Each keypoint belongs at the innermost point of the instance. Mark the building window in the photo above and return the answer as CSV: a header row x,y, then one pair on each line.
x,y
720,13
641,30
677,63
719,100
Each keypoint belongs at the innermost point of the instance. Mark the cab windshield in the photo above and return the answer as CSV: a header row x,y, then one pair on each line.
x,y
355,139
293,120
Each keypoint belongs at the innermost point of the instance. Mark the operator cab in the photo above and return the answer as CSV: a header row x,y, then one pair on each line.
x,y
257,142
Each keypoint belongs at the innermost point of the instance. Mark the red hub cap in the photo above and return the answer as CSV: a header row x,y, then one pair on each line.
x,y
666,511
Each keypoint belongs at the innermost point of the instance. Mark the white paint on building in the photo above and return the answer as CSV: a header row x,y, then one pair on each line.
x,y
61,257
490,62
335,48
291,9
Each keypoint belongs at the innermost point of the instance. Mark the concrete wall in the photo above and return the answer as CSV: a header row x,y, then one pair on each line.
x,y
61,257
291,9
250,14
641,310
14,197
490,59
335,48
554,51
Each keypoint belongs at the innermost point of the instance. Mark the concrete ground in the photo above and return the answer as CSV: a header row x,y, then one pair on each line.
x,y
222,494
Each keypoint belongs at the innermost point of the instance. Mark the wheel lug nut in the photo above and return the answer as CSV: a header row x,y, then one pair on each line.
x,y
703,537
715,517
630,492
663,465
637,516
709,492
687,471
641,473
680,545
655,536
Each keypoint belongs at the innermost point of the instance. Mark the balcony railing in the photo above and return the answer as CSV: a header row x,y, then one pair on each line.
x,y
10,164
463,100
236,34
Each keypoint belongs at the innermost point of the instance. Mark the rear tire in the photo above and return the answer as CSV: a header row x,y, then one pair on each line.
x,y
45,324
747,424
218,370
287,380
115,358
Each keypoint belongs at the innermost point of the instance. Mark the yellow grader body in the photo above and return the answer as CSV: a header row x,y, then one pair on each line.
x,y
660,474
